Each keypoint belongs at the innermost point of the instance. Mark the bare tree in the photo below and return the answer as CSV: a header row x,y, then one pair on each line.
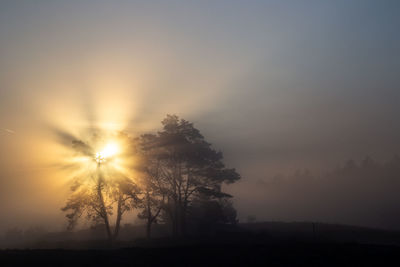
x,y
97,194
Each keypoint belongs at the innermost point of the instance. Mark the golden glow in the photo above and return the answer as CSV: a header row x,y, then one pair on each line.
x,y
108,151
98,157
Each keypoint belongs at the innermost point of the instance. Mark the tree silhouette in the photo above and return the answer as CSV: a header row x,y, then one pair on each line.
x,y
187,168
152,186
205,214
175,170
95,192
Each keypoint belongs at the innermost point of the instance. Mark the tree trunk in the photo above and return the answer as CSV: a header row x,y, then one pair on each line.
x,y
174,227
104,213
176,220
148,230
183,219
119,216
149,216
103,209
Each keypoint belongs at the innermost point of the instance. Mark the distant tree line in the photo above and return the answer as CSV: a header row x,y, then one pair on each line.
x,y
366,169
172,177
359,192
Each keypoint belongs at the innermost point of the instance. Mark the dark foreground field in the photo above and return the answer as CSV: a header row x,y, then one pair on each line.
x,y
257,244
296,254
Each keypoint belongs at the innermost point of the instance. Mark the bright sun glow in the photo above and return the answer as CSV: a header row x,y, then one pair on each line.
x,y
107,152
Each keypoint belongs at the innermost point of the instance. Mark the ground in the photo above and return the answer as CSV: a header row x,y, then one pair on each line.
x,y
257,244
294,254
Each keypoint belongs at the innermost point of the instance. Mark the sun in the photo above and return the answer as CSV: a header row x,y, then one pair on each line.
x,y
108,151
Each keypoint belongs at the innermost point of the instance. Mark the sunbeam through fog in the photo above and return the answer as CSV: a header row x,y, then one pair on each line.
x,y
276,86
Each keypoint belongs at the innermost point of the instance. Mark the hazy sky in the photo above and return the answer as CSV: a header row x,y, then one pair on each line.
x,y
276,85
